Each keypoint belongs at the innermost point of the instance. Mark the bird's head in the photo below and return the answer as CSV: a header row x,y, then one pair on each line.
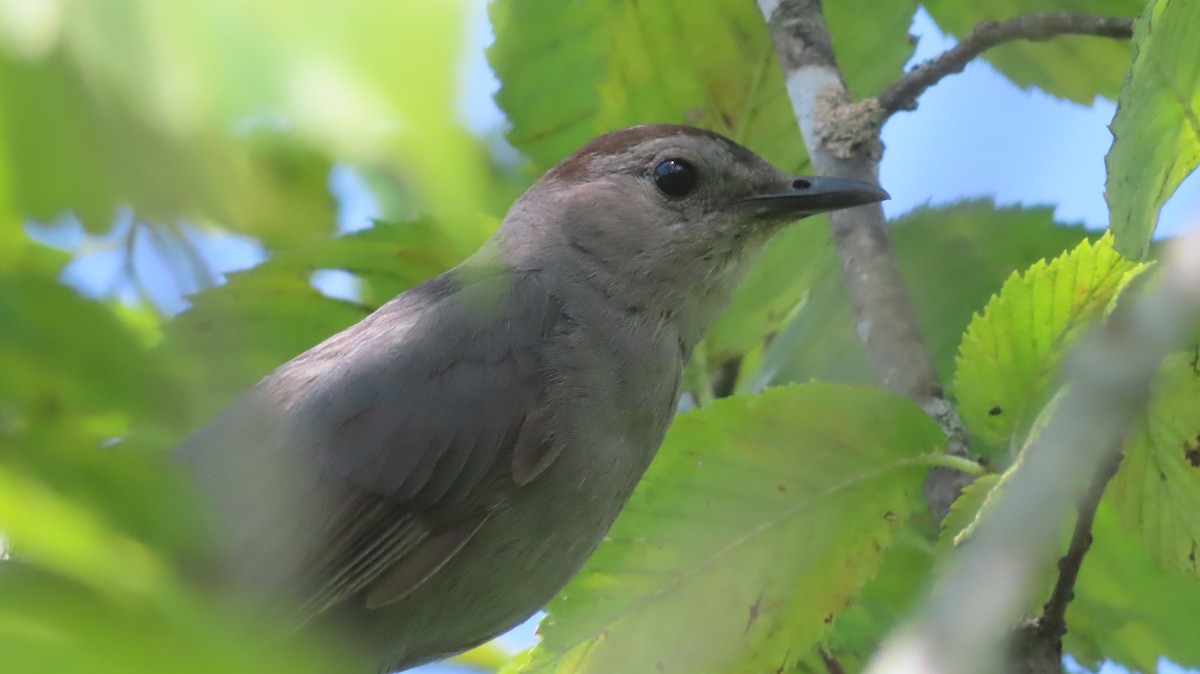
x,y
663,215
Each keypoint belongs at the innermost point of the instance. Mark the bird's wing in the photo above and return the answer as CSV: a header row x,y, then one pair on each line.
x,y
416,413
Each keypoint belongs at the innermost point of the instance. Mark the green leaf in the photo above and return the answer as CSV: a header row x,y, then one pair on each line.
x,y
48,626
163,106
50,531
1011,350
1157,489
61,354
884,603
871,54
1127,608
1157,127
763,514
771,291
571,71
952,257
1077,68
965,511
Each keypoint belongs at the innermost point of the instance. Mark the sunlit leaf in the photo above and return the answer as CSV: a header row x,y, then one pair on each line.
x,y
571,71
1012,349
763,514
884,603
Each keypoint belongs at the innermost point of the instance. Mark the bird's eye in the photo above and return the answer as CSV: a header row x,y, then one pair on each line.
x,y
675,177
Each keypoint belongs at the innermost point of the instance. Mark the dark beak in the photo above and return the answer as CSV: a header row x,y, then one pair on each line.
x,y
807,196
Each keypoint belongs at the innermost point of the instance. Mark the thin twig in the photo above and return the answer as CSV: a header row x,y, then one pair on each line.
x,y
832,666
1054,612
1035,26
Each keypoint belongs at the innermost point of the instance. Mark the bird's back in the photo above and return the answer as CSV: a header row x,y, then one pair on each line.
x,y
433,474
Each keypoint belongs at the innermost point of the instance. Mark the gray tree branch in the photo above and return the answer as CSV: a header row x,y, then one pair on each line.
x,y
1036,26
842,137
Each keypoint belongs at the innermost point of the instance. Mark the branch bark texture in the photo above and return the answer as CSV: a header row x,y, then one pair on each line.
x,y
1036,26
842,137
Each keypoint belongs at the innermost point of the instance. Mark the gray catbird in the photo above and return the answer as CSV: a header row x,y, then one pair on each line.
x,y
433,475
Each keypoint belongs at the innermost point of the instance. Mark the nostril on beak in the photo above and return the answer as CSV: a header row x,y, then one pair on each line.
x,y
801,184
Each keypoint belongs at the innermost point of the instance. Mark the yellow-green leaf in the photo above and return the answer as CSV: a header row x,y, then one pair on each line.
x,y
1012,349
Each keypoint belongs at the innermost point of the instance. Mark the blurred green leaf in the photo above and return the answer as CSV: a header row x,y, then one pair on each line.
x,y
1157,489
389,257
48,626
1078,68
158,105
1127,608
871,53
61,354
1011,350
59,535
884,603
764,514
953,258
1156,130
771,291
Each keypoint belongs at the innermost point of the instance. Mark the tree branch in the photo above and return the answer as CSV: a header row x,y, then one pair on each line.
x,y
986,586
1035,26
842,138
1036,645
1054,612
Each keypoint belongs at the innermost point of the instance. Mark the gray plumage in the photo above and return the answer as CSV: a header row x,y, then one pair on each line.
x,y
433,475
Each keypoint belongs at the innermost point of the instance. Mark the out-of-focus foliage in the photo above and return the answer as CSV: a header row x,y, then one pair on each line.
x,y
1077,68
1156,132
953,258
763,514
229,111
1157,491
1127,607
